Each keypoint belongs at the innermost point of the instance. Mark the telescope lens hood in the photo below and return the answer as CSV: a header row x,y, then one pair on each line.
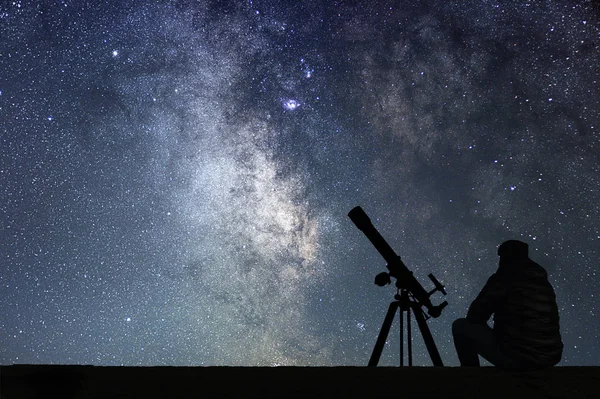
x,y
360,218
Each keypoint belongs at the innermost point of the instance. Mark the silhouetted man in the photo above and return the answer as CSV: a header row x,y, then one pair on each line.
x,y
526,331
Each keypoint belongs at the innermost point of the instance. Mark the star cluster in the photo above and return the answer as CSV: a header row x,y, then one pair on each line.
x,y
176,175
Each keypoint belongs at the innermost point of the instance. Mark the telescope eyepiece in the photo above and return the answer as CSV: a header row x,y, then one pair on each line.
x,y
437,284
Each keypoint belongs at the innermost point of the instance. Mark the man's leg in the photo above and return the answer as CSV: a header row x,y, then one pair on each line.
x,y
465,343
471,340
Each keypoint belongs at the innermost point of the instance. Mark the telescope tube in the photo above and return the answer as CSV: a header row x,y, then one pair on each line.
x,y
404,277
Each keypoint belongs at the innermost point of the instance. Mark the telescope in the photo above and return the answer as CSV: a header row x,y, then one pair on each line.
x,y
410,294
404,277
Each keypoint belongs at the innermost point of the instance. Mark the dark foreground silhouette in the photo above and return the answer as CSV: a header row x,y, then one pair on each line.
x,y
30,381
526,333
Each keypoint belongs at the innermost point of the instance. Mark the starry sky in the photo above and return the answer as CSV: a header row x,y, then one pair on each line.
x,y
176,176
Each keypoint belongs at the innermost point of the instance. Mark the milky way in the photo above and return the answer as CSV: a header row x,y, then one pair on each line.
x,y
176,176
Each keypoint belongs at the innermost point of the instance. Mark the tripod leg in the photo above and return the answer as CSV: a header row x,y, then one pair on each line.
x,y
401,310
383,333
427,337
409,338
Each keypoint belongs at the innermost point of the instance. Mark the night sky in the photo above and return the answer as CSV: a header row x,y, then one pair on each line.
x,y
176,176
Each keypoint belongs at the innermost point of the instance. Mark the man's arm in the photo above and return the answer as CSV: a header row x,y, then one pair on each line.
x,y
487,301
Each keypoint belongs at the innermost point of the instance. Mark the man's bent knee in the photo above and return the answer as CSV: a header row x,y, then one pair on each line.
x,y
460,325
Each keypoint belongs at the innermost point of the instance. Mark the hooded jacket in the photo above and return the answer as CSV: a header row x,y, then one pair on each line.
x,y
526,320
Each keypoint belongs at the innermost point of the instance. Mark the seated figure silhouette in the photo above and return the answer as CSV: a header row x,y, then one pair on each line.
x,y
526,332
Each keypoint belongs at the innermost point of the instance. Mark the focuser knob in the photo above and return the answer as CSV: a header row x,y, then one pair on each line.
x,y
383,279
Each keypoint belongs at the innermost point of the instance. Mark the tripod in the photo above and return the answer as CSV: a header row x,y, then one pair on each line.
x,y
404,304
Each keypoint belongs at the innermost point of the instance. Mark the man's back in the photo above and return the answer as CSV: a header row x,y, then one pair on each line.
x,y
526,319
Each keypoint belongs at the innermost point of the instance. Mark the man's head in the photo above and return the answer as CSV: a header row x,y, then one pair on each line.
x,y
513,250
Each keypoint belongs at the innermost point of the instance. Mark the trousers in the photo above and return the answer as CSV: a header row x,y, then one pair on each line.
x,y
472,340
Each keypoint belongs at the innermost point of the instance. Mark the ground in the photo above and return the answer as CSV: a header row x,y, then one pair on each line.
x,y
34,381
